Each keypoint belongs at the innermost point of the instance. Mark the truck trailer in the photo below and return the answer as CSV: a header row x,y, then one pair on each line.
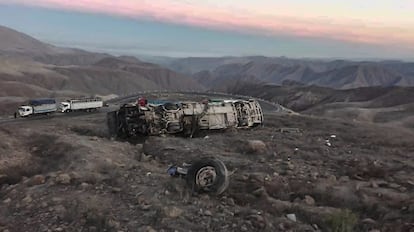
x,y
84,104
37,107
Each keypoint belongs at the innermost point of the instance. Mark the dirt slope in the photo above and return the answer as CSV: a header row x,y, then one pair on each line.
x,y
76,178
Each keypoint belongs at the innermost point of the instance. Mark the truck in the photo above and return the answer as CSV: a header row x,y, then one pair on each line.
x,y
186,117
81,104
37,107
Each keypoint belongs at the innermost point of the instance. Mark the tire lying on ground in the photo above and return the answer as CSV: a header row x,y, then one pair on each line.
x,y
208,175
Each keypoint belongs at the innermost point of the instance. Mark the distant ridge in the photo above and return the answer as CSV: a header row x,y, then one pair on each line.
x,y
340,74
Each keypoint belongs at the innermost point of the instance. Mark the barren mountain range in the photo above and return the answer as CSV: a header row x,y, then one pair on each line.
x,y
30,68
339,74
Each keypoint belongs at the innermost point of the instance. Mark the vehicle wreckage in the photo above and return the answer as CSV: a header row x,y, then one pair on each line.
x,y
144,118
205,175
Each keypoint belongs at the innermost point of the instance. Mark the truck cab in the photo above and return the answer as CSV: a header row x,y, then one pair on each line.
x,y
64,107
25,111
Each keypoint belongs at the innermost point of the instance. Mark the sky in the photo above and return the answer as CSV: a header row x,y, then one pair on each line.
x,y
369,29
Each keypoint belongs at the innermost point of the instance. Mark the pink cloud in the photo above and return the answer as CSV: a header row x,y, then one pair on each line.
x,y
179,12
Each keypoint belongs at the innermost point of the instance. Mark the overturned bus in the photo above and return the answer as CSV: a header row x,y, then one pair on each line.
x,y
183,117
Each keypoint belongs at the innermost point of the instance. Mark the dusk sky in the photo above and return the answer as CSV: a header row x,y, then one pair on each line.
x,y
370,29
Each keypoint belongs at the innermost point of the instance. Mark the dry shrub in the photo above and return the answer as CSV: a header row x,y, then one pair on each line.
x,y
92,211
343,221
46,153
88,131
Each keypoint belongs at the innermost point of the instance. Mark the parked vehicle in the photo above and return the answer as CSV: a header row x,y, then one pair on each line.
x,y
84,104
38,106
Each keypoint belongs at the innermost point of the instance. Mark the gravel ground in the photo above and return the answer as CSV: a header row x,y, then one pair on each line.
x,y
66,174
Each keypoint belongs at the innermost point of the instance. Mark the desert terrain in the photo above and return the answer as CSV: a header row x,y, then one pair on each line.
x,y
65,173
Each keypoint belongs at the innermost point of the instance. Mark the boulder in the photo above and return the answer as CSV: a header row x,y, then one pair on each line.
x,y
37,180
255,147
309,200
63,179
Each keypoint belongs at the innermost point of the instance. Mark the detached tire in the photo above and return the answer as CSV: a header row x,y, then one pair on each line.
x,y
208,175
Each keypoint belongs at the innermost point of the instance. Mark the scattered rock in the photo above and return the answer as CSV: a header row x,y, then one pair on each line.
x,y
392,215
145,207
291,217
259,192
331,178
173,212
256,146
309,200
208,213
28,199
144,157
116,190
258,221
114,224
7,201
63,179
230,202
37,180
394,185
57,199
369,221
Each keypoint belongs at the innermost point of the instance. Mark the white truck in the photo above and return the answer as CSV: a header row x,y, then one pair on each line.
x,y
38,106
84,104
